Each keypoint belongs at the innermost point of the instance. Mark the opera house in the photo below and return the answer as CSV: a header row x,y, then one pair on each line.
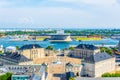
x,y
60,36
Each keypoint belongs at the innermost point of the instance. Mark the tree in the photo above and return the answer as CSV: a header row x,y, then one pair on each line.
x,y
71,48
49,48
71,78
102,49
106,75
6,76
111,75
17,47
107,50
0,52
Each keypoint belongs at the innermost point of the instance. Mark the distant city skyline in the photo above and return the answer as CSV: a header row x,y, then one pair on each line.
x,y
60,14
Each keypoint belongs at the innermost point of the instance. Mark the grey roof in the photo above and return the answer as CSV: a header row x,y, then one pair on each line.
x,y
42,69
11,56
30,46
35,77
98,57
69,64
87,46
23,58
101,56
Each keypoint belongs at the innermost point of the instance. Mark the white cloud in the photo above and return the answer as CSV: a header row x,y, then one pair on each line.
x,y
4,3
93,13
91,2
25,20
44,16
99,2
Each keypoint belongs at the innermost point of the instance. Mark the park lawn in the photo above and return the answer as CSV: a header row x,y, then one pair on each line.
x,y
41,38
86,39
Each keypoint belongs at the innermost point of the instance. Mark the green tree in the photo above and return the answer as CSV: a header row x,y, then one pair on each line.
x,y
0,52
106,75
111,75
6,76
107,50
71,78
102,49
17,47
71,48
49,48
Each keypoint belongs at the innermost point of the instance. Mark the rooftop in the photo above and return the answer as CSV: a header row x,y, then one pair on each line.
x,y
98,57
69,64
86,46
101,56
49,60
24,69
11,56
30,46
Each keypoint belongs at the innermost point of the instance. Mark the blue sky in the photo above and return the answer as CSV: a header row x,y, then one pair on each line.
x,y
60,13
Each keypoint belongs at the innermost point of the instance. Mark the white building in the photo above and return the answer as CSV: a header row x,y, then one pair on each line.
x,y
10,49
94,62
85,50
98,64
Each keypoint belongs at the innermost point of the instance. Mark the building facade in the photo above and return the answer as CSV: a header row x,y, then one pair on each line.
x,y
94,62
98,64
32,51
77,69
85,51
26,72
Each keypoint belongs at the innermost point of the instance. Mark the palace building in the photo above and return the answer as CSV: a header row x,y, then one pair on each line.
x,y
24,55
94,62
98,64
85,50
32,51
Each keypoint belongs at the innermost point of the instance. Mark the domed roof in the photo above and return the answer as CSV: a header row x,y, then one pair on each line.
x,y
30,46
87,46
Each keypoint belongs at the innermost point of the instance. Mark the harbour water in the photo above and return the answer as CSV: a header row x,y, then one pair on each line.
x,y
57,45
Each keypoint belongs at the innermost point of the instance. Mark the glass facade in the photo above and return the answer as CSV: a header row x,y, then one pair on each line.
x,y
58,37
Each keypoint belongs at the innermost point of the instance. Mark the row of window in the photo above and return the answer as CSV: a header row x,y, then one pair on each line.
x,y
34,54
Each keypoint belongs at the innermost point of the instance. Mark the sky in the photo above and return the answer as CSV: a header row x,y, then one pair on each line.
x,y
60,13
